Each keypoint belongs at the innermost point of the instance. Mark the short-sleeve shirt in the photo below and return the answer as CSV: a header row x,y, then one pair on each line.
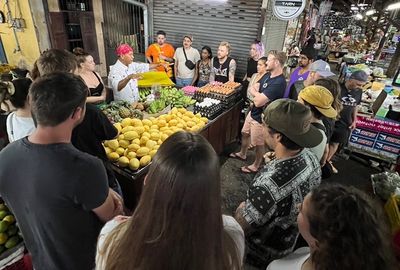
x,y
271,205
350,100
52,195
273,89
154,51
89,135
19,127
192,55
118,72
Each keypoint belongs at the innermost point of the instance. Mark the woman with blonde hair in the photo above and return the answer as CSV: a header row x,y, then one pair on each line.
x,y
178,222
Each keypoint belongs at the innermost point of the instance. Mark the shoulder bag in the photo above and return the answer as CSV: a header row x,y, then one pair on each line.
x,y
188,63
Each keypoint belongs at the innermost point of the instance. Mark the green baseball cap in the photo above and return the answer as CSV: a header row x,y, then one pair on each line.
x,y
292,119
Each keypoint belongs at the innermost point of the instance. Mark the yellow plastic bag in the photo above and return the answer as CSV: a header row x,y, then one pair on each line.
x,y
154,77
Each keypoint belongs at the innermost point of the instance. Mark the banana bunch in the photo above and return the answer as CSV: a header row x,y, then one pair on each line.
x,y
143,93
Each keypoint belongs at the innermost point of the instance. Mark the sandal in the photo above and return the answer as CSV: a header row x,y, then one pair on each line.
x,y
237,156
247,170
334,170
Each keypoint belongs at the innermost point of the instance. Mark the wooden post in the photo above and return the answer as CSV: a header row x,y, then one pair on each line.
x,y
394,64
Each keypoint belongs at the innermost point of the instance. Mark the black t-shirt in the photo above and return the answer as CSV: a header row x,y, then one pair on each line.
x,y
329,124
350,100
272,88
89,135
52,193
251,67
295,89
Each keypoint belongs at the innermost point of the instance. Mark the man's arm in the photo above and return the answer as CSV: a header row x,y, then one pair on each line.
x,y
149,59
110,208
354,124
232,70
239,216
260,99
122,83
196,74
212,72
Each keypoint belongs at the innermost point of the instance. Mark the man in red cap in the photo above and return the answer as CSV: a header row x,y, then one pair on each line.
x,y
125,73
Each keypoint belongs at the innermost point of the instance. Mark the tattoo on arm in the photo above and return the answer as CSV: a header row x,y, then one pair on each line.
x,y
232,70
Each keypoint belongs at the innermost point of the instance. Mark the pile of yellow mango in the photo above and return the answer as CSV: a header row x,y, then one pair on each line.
x,y
138,140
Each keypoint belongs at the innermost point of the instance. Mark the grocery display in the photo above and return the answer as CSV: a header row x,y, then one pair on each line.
x,y
157,100
139,140
9,231
118,110
228,93
189,90
209,107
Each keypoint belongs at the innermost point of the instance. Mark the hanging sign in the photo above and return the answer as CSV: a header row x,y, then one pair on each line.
x,y
288,10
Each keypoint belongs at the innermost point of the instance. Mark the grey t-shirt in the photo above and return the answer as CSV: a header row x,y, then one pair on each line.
x,y
52,189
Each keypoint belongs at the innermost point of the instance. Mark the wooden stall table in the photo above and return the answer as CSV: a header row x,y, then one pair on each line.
x,y
220,132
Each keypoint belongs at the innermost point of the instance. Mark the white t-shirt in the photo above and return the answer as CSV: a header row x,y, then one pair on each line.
x,y
230,226
118,72
293,261
192,55
320,148
19,127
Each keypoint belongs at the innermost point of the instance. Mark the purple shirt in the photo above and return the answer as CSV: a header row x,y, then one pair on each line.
x,y
294,78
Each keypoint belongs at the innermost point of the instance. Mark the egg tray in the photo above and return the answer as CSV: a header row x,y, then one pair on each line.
x,y
210,112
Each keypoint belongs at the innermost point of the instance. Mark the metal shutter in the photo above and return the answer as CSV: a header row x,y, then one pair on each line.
x,y
274,32
211,22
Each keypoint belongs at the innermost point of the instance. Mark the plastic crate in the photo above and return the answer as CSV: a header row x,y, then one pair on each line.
x,y
393,213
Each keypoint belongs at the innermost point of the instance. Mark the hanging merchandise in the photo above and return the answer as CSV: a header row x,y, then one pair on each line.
x,y
325,8
288,10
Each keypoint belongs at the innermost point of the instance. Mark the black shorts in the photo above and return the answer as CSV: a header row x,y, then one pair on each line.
x,y
341,134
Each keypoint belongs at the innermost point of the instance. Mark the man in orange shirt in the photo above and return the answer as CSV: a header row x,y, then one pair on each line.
x,y
161,52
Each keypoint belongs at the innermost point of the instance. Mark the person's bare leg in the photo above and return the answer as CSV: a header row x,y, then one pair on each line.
x,y
333,147
260,150
245,145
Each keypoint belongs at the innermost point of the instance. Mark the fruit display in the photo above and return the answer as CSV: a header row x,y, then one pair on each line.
x,y
175,98
144,93
9,236
139,140
118,110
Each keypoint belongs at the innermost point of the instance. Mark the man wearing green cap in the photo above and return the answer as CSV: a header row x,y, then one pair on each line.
x,y
268,216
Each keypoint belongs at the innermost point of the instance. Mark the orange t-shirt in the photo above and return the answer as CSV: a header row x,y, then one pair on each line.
x,y
154,51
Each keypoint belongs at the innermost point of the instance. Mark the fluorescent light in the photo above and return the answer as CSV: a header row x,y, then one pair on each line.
x,y
393,6
370,12
359,16
354,8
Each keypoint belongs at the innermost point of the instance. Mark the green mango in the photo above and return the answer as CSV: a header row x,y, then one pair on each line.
x,y
12,242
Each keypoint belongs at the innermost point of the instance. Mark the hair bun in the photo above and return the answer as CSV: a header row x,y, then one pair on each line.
x,y
79,51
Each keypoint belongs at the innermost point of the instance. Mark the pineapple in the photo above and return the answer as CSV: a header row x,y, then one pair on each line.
x,y
124,112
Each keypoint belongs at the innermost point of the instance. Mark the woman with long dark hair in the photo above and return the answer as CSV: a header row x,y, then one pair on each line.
x,y
178,222
344,230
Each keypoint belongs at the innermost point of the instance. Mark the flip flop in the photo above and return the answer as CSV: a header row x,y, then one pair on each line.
x,y
236,156
334,170
247,170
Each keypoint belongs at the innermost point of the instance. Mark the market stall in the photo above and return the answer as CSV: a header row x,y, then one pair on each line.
x,y
377,132
213,111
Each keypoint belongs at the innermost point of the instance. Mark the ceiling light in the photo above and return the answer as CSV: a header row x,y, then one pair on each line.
x,y
393,6
370,12
359,16
354,8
